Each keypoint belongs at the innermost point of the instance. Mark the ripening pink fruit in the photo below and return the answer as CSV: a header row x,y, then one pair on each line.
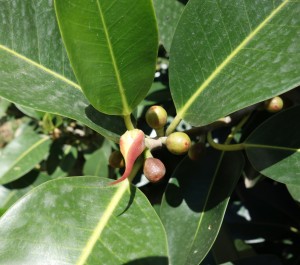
x,y
154,169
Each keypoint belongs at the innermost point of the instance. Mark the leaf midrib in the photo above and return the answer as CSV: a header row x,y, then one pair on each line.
x,y
126,109
182,111
39,66
105,217
206,203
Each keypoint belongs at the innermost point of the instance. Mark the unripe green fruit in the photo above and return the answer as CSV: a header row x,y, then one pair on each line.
x,y
178,143
156,117
116,160
197,151
274,104
154,169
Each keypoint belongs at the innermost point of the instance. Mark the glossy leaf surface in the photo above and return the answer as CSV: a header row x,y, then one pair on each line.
x,y
112,46
168,13
195,202
34,69
227,55
274,147
9,195
4,104
21,155
82,220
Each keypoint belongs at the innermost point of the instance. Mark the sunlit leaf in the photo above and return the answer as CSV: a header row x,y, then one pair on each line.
x,y
168,13
227,55
112,46
82,220
35,71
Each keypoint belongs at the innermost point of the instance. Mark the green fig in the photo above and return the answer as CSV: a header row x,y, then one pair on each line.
x,y
156,117
178,143
274,104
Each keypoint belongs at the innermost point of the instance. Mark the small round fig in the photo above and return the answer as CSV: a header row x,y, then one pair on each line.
x,y
116,160
197,151
154,169
274,104
178,143
156,117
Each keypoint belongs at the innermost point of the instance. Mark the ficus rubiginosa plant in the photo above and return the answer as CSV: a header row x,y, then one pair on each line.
x,y
149,132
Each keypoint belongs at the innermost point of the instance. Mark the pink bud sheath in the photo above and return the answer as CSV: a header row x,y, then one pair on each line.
x,y
132,144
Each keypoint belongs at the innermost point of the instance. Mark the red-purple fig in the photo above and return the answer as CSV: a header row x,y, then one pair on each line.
x,y
154,169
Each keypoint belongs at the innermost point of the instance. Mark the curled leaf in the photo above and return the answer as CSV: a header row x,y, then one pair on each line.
x,y
132,144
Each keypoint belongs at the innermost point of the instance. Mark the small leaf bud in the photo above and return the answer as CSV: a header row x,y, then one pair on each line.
x,y
178,143
156,117
154,169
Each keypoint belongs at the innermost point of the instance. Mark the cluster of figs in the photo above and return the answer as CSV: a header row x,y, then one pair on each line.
x,y
133,143
177,143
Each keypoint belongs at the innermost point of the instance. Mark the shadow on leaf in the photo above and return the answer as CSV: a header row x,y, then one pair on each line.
x,y
149,261
205,184
108,122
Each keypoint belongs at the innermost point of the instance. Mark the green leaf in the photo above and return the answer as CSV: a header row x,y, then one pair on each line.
x,y
227,55
34,70
194,204
274,147
66,163
9,196
112,46
30,112
97,164
82,220
21,155
294,191
4,104
168,13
